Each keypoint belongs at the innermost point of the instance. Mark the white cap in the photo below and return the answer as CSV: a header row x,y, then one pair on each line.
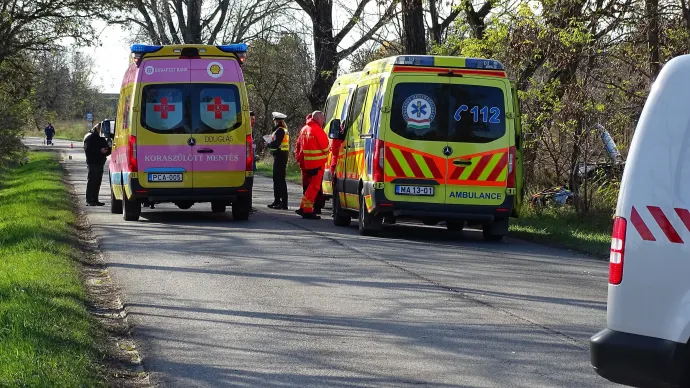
x,y
278,115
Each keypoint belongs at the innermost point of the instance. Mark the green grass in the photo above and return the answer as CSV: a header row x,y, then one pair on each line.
x,y
265,168
565,229
47,337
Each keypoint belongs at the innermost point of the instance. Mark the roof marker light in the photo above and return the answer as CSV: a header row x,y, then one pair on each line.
x,y
475,63
143,49
415,60
233,48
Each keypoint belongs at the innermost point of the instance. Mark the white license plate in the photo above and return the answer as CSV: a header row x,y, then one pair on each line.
x,y
165,177
414,190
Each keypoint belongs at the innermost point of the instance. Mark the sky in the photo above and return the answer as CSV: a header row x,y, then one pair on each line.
x,y
114,48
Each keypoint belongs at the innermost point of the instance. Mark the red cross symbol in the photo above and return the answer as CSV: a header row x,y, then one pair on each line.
x,y
218,107
164,108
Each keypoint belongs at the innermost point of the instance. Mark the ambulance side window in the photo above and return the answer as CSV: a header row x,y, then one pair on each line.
x,y
354,118
331,106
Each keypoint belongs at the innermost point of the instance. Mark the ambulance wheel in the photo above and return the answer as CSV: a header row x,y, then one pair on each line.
x,y
369,225
455,225
340,218
115,205
490,233
131,210
218,207
241,208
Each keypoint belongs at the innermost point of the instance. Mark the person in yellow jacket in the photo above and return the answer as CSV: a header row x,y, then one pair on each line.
x,y
280,148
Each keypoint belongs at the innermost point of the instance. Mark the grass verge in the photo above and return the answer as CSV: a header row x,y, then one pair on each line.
x,y
47,335
265,168
564,228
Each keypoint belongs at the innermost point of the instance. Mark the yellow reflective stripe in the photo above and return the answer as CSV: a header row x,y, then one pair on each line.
x,y
314,152
490,166
402,162
468,171
422,166
315,158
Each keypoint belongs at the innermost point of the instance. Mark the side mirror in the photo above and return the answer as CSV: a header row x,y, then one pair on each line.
x,y
334,129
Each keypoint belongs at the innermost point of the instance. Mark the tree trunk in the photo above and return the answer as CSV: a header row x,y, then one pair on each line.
x,y
652,10
413,27
193,22
326,53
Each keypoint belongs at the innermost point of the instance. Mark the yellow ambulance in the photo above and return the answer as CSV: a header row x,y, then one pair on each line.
x,y
183,131
336,108
431,138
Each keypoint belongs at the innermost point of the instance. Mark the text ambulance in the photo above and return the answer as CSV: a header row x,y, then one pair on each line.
x,y
432,138
183,131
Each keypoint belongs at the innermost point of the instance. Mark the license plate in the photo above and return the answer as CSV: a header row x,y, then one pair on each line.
x,y
165,177
414,190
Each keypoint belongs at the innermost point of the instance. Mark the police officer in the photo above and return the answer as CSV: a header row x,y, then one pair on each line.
x,y
97,150
280,148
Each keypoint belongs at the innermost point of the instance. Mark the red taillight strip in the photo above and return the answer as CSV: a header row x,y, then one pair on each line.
x,y
617,254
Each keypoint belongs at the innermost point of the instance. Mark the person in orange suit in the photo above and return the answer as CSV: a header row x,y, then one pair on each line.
x,y
320,201
311,153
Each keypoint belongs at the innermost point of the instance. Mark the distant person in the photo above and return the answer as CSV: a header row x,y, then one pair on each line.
x,y
280,148
97,150
50,133
314,152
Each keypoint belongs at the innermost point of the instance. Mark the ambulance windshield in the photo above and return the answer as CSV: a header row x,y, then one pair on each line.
x,y
191,108
448,113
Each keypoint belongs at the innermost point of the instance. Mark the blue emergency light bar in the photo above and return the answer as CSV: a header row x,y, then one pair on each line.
x,y
428,60
415,60
490,64
144,49
233,48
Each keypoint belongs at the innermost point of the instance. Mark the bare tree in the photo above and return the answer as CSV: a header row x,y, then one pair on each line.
x,y
196,22
439,25
326,41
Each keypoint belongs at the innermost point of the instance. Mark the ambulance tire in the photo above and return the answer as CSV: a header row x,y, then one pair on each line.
x,y
115,205
455,225
340,218
218,207
490,233
131,210
241,208
369,225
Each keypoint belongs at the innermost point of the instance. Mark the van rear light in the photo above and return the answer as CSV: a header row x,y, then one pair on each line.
x,y
617,251
377,173
132,153
250,154
511,168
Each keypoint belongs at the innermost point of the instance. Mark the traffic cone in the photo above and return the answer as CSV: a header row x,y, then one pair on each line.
x,y
71,145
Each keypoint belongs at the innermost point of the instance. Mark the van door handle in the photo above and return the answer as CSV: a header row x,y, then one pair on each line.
x,y
462,162
204,151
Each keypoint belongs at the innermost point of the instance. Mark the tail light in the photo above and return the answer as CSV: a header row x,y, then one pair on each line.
x,y
511,167
617,251
132,153
378,161
250,154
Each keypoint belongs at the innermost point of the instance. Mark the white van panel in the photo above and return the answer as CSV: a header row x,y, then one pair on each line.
x,y
654,297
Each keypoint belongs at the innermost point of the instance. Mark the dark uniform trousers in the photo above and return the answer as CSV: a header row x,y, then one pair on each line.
x,y
93,186
280,191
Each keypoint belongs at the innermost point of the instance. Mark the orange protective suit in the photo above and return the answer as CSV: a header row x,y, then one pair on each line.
x,y
311,153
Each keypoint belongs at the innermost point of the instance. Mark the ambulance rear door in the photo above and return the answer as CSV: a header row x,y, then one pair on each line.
x,y
478,140
414,163
163,151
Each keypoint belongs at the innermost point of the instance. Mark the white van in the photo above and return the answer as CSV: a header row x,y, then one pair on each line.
x,y
645,343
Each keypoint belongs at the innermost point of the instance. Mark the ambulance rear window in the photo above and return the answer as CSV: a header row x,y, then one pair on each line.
x,y
163,109
219,108
448,113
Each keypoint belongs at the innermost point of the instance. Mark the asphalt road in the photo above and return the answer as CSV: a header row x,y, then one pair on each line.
x,y
283,302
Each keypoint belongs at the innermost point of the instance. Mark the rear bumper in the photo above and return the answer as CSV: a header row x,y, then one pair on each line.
x,y
216,194
639,361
